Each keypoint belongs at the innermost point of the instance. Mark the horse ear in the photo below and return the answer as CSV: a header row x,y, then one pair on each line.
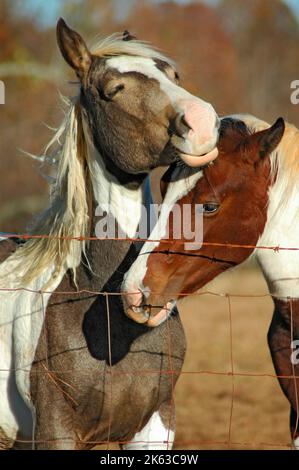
x,y
73,48
128,36
270,138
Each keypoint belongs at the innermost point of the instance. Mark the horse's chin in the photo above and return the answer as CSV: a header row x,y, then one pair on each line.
x,y
143,314
199,160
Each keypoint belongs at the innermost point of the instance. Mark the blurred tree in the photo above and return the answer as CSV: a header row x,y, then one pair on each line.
x,y
241,56
99,21
21,39
29,101
265,35
192,34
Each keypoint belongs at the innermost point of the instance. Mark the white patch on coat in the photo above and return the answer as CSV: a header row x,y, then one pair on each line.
x,y
296,444
21,319
154,436
281,268
124,203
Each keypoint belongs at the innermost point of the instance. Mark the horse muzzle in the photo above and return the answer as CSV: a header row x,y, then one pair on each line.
x,y
138,308
197,133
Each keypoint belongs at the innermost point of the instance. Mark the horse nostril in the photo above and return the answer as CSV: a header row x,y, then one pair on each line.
x,y
180,126
185,123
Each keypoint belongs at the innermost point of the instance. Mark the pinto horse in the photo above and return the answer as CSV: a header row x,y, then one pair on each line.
x,y
249,197
57,370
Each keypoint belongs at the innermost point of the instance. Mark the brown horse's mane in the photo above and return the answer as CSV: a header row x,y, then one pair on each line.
x,y
234,127
233,133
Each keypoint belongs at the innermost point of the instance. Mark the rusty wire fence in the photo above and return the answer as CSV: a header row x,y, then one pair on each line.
x,y
229,442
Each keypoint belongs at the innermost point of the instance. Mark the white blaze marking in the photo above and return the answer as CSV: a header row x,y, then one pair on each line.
x,y
178,96
147,67
175,191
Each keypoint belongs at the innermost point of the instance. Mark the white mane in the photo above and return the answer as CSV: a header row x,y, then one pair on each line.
x,y
285,158
284,161
67,214
115,46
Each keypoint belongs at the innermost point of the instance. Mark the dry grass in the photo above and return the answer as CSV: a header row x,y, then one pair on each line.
x,y
203,401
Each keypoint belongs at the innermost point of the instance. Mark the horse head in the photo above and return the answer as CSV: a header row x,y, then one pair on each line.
x,y
233,193
138,114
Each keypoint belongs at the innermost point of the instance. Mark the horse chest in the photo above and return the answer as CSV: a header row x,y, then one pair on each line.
x,y
111,374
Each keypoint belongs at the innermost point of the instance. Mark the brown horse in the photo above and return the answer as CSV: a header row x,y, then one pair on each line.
x,y
249,197
58,362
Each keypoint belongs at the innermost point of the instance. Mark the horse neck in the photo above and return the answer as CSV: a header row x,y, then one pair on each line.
x,y
124,204
281,268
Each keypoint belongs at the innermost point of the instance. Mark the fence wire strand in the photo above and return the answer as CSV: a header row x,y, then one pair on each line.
x,y
170,371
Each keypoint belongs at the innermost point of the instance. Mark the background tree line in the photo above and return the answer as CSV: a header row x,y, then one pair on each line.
x,y
240,56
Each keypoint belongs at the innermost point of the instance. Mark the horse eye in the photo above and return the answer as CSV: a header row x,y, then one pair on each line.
x,y
210,207
177,77
111,94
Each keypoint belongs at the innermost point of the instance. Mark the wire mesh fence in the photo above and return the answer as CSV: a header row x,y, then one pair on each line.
x,y
170,371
